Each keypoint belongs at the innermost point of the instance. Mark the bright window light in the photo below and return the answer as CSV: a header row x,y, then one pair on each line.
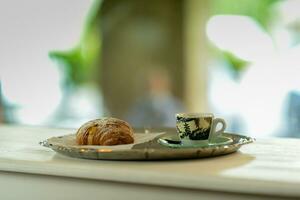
x,y
241,36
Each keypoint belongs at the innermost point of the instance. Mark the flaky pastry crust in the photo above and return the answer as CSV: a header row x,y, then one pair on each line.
x,y
105,131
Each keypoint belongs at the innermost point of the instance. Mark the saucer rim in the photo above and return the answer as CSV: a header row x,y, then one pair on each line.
x,y
163,142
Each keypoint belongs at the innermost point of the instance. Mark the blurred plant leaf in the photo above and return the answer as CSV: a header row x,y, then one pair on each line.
x,y
79,62
236,64
260,10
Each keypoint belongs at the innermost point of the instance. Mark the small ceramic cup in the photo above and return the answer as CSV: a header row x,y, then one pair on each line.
x,y
196,128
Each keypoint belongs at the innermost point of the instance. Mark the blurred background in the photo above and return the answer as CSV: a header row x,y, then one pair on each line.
x,y
65,62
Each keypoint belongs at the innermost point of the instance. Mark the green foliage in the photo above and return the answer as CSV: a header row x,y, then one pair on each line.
x,y
235,63
79,62
260,10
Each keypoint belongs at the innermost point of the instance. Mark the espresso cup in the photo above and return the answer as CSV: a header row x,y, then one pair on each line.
x,y
198,127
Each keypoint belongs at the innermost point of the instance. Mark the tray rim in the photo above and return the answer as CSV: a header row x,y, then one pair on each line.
x,y
82,151
246,140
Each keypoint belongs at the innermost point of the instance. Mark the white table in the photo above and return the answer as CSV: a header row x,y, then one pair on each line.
x,y
267,169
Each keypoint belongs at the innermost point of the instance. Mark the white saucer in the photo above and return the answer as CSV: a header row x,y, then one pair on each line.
x,y
176,143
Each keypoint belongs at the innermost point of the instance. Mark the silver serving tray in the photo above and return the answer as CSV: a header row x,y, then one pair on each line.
x,y
150,150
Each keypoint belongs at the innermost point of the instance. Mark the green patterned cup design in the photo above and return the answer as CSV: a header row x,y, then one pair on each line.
x,y
198,127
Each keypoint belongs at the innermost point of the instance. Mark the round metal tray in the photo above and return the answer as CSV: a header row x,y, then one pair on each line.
x,y
150,150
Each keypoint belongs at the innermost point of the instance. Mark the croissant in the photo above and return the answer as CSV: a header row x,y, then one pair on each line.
x,y
105,131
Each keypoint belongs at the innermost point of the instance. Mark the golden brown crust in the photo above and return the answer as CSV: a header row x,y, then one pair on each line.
x,y
105,131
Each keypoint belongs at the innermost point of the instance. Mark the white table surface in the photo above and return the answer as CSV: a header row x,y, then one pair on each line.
x,y
266,167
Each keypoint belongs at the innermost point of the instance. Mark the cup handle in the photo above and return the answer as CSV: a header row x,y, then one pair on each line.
x,y
215,133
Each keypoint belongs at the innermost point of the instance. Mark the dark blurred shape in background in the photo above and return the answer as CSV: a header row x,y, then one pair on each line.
x,y
138,36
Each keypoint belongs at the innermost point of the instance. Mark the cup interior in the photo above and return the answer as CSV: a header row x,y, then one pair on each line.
x,y
193,115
